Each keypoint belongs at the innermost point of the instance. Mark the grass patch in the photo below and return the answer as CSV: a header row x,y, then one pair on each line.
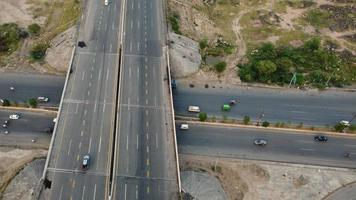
x,y
174,21
318,18
60,14
222,13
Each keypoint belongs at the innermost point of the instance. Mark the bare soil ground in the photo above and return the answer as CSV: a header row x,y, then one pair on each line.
x,y
248,23
55,17
13,160
250,180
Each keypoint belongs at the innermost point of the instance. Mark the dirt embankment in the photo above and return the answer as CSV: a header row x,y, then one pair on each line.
x,y
56,17
250,180
13,160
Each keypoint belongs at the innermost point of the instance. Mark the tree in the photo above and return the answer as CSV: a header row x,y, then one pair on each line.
x,y
312,45
265,124
32,103
265,69
203,43
220,66
203,116
339,127
38,51
34,29
246,120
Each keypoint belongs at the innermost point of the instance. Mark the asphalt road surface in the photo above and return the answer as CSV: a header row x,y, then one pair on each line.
x,y
22,131
308,107
145,162
87,116
347,192
286,146
29,86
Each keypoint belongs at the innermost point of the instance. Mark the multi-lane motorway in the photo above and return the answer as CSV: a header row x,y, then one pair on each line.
x,y
31,86
30,126
87,116
145,166
283,146
274,105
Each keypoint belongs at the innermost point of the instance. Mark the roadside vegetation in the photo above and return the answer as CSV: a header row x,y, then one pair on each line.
x,y
10,36
310,64
50,18
230,30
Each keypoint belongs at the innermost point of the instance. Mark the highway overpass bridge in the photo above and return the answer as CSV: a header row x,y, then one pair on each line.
x,y
117,108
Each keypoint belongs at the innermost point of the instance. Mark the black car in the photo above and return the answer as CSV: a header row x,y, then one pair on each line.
x,y
81,44
320,138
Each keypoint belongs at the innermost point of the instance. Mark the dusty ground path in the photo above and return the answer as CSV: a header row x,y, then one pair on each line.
x,y
250,180
13,160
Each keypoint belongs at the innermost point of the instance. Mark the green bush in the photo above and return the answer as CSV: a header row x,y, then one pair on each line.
x,y
220,67
339,127
246,120
265,124
38,51
318,18
10,35
34,29
174,20
311,63
32,103
203,116
203,44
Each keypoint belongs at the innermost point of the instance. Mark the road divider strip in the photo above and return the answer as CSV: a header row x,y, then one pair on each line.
x,y
193,120
34,110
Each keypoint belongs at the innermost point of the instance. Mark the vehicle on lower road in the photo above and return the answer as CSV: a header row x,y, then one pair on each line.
x,y
260,142
194,109
320,138
226,107
344,123
6,124
43,99
184,126
14,116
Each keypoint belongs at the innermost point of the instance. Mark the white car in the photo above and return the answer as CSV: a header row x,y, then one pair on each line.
x,y
106,2
194,109
184,127
54,120
345,123
42,99
14,116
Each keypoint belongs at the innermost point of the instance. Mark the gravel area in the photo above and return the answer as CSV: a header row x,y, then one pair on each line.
x,y
21,187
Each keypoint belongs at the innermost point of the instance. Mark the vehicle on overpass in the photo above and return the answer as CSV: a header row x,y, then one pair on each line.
x,y
195,109
85,163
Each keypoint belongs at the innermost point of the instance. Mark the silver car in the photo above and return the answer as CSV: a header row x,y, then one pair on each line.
x,y
260,142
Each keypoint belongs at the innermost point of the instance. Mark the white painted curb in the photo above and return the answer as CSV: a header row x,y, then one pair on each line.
x,y
58,114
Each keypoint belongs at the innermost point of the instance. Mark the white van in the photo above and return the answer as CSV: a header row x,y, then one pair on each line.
x,y
106,2
193,109
184,127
